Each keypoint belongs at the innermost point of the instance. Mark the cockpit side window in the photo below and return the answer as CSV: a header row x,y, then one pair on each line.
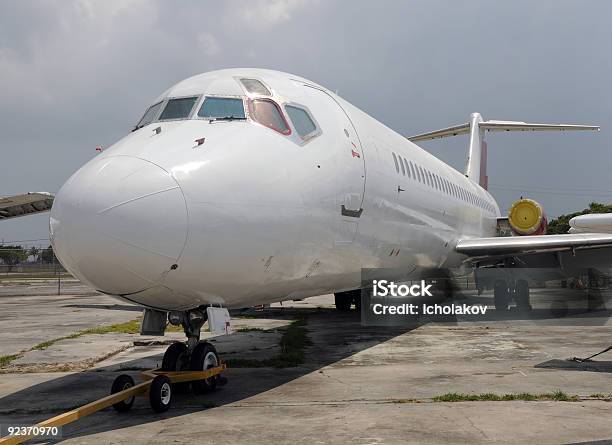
x,y
302,122
179,108
254,86
222,107
266,112
149,115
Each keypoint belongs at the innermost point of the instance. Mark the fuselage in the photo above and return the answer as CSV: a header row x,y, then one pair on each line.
x,y
204,209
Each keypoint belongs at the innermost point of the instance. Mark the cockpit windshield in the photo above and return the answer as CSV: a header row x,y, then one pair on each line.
x,y
149,115
178,108
266,112
222,108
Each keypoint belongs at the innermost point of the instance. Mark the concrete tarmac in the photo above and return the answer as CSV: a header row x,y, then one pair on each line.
x,y
363,385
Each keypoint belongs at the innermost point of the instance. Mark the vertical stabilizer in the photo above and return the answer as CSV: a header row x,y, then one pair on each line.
x,y
475,168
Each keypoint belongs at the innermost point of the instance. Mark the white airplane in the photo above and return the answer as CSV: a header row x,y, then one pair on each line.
x,y
243,187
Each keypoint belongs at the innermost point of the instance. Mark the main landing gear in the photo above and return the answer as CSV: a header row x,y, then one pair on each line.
x,y
344,300
505,291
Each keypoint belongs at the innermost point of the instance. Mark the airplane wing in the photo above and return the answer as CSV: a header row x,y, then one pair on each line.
x,y
25,204
483,248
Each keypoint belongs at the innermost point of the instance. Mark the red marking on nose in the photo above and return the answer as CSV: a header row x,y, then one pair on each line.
x,y
355,154
397,253
99,148
199,141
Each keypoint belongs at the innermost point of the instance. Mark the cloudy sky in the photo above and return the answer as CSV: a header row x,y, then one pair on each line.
x,y
78,73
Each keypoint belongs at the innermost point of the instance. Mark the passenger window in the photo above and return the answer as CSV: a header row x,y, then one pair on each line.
x,y
178,108
421,174
412,168
254,86
301,121
407,168
402,165
149,115
396,164
222,107
267,113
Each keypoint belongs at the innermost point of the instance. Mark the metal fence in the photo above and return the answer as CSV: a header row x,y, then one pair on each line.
x,y
20,263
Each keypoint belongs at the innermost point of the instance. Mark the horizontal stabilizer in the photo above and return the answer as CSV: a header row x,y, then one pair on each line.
x,y
443,133
524,126
498,126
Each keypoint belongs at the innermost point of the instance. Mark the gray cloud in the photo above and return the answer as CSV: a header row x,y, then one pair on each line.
x,y
78,73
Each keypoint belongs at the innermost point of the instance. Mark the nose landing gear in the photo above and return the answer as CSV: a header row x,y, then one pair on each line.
x,y
195,355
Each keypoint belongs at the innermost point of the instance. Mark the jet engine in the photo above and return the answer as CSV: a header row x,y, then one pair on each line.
x,y
527,217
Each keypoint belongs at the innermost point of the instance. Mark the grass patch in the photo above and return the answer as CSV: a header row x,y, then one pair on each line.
x,y
292,343
6,359
558,396
129,327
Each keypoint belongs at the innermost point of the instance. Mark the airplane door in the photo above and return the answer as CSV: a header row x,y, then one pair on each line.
x,y
350,172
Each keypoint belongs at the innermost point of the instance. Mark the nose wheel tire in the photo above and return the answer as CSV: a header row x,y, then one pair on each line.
x,y
176,358
204,356
121,383
160,394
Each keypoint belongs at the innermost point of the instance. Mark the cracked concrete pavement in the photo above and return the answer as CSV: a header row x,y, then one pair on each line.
x,y
358,384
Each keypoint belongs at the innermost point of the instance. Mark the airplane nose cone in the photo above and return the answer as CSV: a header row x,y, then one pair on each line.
x,y
119,224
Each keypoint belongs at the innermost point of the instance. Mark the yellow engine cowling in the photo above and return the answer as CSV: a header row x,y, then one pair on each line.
x,y
527,217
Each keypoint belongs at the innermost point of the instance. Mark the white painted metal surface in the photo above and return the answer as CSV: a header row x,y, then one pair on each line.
x,y
592,223
219,321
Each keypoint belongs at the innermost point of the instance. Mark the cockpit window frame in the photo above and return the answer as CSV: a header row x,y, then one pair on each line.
x,y
200,104
161,104
310,136
280,110
252,95
191,112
